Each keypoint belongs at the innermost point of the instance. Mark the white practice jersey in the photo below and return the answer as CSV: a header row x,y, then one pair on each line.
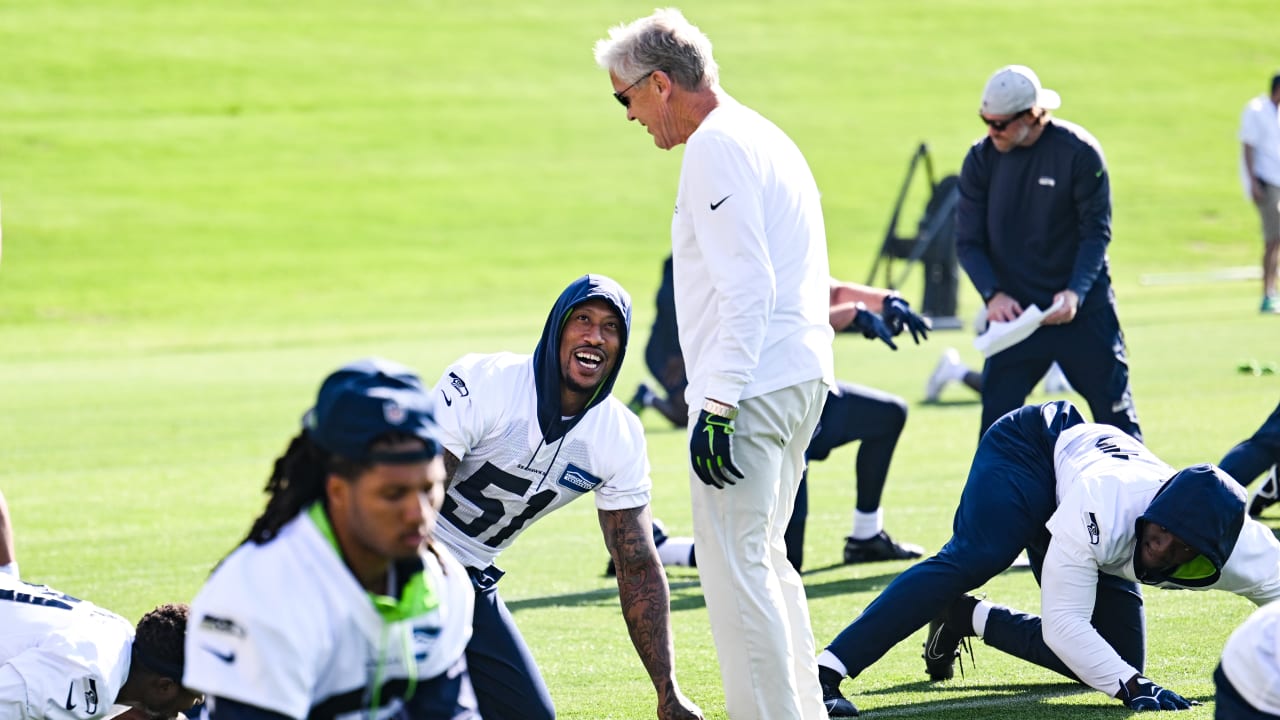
x,y
73,656
749,254
286,627
1105,482
1251,659
508,477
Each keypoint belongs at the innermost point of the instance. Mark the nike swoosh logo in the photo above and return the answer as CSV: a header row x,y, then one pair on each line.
x,y
931,650
715,205
447,401
70,689
226,657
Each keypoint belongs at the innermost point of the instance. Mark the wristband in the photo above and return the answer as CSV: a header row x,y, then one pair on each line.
x,y
715,407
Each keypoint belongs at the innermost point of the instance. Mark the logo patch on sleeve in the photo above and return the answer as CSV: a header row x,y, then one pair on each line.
x,y
1091,525
459,385
579,480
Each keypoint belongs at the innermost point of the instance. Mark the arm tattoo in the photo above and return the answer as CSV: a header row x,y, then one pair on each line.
x,y
451,463
643,592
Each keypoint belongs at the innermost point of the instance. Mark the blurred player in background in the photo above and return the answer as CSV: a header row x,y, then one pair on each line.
x,y
64,658
1098,515
1260,173
340,602
851,413
525,435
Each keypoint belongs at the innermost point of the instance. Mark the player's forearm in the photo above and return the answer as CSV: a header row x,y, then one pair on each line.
x,y
646,607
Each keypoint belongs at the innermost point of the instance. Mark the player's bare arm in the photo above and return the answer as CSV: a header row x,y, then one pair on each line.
x,y
451,463
646,604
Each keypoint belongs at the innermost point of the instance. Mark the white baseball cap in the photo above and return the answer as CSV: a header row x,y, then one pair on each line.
x,y
1015,88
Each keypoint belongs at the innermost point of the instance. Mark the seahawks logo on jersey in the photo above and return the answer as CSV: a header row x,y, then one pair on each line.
x,y
1091,526
575,478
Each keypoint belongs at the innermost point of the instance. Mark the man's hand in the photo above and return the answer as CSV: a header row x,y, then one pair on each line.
x,y
1066,313
1141,694
711,450
899,315
678,707
1002,308
871,326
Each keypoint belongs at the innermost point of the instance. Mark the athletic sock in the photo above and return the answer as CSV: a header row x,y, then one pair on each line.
x,y
677,551
867,525
829,663
981,612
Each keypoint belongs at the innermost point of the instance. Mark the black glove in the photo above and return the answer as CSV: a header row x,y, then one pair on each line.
x,y
899,315
710,450
871,326
1141,694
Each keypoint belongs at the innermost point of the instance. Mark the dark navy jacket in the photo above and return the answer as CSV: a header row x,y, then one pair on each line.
x,y
1037,220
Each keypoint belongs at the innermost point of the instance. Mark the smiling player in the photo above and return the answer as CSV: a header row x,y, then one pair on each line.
x,y
525,435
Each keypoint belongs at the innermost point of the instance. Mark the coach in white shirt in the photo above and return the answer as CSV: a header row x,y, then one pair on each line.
x,y
751,277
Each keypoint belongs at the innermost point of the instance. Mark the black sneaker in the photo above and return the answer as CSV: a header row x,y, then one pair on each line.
x,y
1265,495
837,705
659,537
642,399
947,633
877,548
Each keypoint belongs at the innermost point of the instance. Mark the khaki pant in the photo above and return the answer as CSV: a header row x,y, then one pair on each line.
x,y
1269,211
759,614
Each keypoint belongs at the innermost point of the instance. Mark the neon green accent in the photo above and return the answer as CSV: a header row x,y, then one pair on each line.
x,y
418,596
1197,569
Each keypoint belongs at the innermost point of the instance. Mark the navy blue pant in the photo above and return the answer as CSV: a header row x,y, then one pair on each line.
x,y
1229,705
1246,461
1091,352
1008,497
852,412
507,683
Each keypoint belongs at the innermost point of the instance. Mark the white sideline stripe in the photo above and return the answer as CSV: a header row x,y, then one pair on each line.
x,y
976,704
1204,276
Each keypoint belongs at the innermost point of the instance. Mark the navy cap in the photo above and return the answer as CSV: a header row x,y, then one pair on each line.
x,y
365,400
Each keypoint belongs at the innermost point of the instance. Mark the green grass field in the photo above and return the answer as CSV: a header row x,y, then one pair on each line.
x,y
208,206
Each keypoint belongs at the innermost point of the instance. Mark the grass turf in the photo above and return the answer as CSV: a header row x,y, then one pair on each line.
x,y
209,206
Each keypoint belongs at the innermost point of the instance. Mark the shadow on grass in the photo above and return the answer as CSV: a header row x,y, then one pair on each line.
x,y
682,580
983,700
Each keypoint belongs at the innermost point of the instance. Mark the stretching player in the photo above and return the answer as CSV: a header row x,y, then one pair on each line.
x,y
339,602
62,658
852,412
523,436
1250,458
1098,514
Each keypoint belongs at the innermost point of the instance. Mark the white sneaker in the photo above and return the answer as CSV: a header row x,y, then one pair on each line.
x,y
1055,381
1265,495
949,368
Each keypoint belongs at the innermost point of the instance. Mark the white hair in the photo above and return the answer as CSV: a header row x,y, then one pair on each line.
x,y
663,41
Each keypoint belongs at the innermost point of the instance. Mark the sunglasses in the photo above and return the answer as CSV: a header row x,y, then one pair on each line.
x,y
622,96
1000,125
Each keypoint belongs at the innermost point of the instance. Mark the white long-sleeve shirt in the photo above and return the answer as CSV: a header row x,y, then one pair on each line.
x,y
750,261
1105,482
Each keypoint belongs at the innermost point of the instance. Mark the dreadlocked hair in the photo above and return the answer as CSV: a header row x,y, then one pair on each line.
x,y
160,635
297,480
